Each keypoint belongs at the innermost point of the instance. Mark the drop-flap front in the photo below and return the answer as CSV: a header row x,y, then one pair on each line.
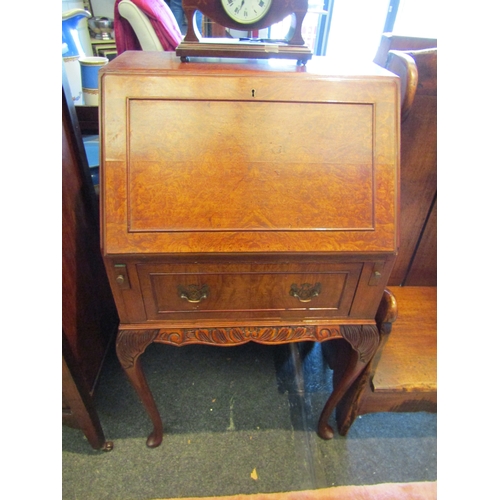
x,y
282,167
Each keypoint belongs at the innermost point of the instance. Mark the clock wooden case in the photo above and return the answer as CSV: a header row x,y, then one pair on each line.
x,y
247,202
246,15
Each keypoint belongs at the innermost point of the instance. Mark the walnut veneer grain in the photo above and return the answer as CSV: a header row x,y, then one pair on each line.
x,y
247,201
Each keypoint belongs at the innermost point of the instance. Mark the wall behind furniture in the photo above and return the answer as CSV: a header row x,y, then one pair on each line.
x,y
71,4
417,18
356,28
103,8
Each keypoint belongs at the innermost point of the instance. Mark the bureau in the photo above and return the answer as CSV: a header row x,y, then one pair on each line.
x,y
247,201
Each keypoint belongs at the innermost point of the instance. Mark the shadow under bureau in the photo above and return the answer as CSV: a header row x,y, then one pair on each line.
x,y
247,201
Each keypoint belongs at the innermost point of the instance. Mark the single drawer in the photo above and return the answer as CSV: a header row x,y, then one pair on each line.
x,y
240,291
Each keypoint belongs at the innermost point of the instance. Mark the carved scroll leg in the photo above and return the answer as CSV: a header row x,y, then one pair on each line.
x,y
347,409
364,340
130,344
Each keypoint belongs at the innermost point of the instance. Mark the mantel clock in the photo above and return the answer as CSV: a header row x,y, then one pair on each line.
x,y
246,15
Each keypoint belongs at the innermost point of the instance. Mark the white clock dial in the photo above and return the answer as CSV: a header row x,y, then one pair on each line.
x,y
246,11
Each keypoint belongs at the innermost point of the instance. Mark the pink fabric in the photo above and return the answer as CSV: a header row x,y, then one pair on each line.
x,y
162,20
386,491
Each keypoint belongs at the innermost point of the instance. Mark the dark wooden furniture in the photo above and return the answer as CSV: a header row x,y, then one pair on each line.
x,y
247,202
89,317
416,264
402,375
88,119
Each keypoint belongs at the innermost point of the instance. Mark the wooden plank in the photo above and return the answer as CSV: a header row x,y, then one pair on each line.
x,y
409,358
423,270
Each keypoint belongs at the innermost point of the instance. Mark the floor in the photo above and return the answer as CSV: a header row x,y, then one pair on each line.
x,y
237,420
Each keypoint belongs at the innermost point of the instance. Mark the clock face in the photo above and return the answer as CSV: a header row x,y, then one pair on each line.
x,y
246,11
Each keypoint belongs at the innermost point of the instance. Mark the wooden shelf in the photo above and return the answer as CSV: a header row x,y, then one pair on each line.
x,y
409,359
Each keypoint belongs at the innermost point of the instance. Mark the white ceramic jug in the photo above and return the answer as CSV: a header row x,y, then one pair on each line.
x,y
73,50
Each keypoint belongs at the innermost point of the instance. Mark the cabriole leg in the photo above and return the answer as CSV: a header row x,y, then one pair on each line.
x,y
348,408
130,344
364,340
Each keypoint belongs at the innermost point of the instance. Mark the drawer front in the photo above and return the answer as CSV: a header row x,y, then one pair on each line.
x,y
251,291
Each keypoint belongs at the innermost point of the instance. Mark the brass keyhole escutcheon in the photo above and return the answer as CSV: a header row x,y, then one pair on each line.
x,y
305,292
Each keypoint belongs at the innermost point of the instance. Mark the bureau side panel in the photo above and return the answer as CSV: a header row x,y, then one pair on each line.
x,y
372,282
126,290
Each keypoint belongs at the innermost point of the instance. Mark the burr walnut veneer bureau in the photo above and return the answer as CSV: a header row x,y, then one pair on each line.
x,y
247,201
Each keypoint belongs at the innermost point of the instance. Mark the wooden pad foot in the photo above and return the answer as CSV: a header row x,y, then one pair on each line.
x,y
107,446
154,440
325,431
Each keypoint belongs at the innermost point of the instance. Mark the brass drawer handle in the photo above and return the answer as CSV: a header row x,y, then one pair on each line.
x,y
193,293
305,292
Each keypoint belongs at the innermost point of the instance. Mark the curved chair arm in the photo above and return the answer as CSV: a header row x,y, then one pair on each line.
x,y
403,65
387,312
141,25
